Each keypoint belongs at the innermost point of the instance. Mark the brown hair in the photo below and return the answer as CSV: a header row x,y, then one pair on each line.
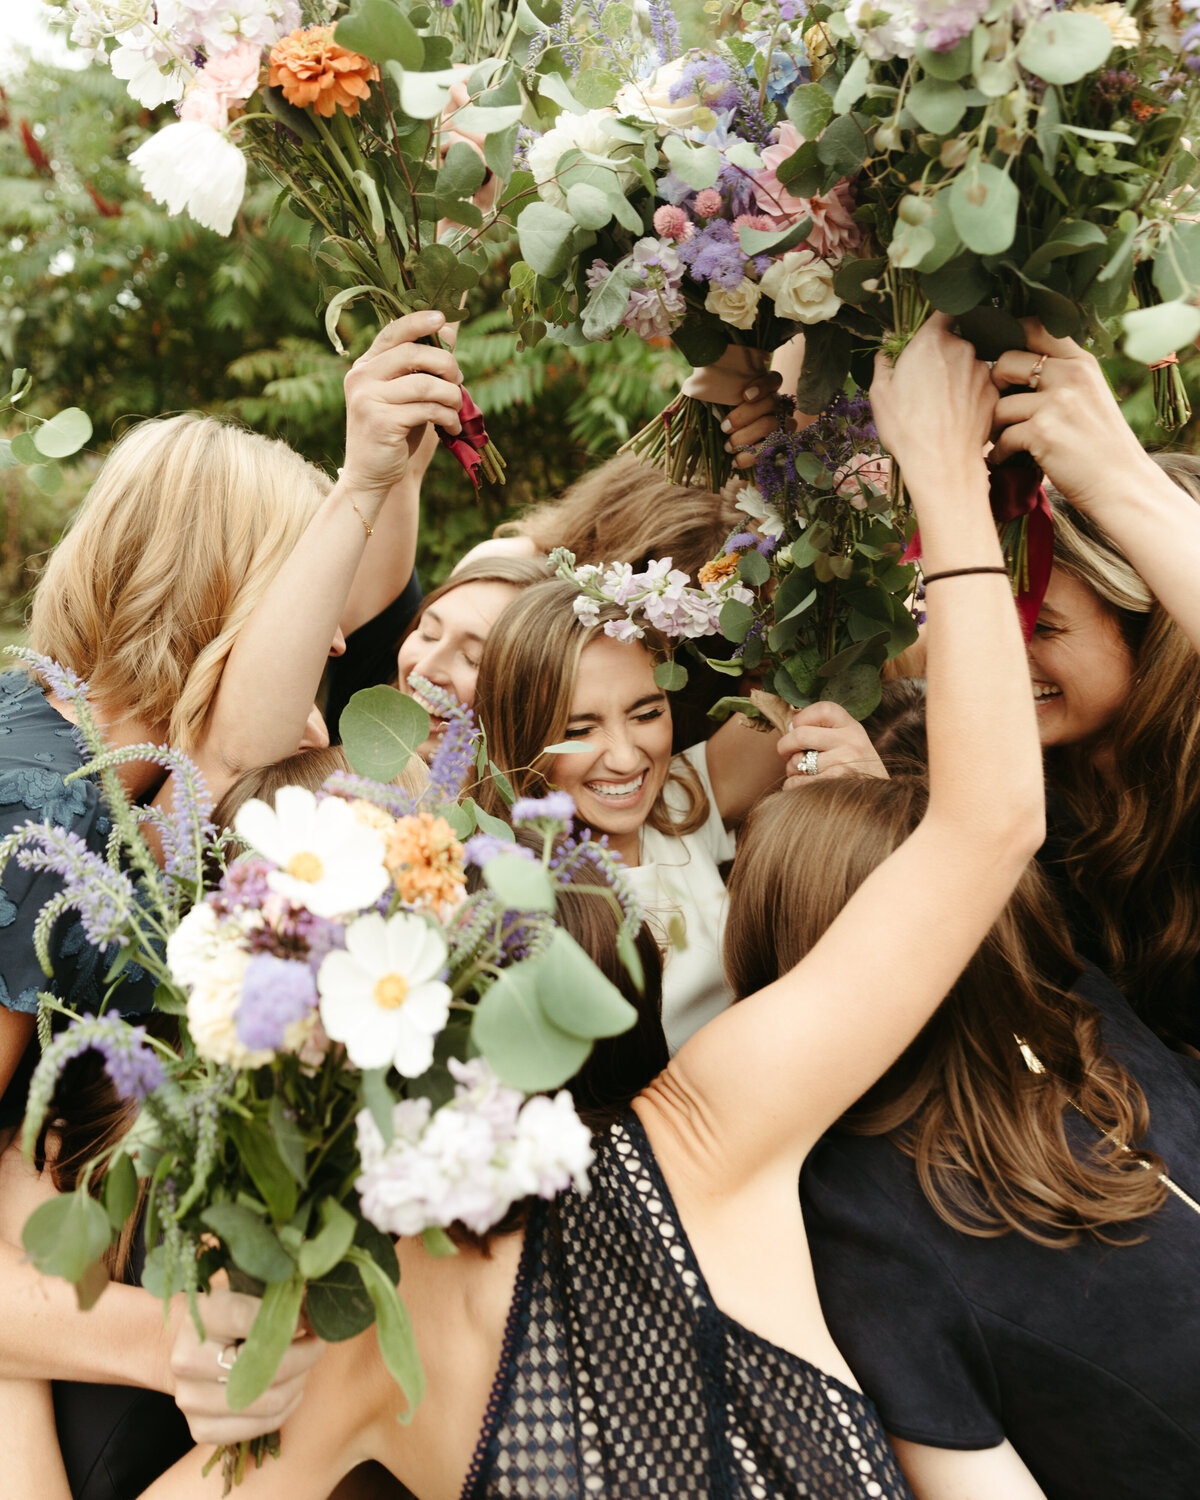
x,y
1133,857
523,696
306,768
988,1136
629,511
186,525
896,727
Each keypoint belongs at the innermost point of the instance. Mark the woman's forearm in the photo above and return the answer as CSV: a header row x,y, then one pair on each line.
x,y
33,1464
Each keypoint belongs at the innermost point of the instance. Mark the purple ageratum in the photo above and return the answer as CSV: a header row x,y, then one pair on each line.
x,y
555,807
710,79
714,254
276,993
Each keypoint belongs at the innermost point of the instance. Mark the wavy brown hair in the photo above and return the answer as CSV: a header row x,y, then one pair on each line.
x,y
1132,858
523,696
988,1136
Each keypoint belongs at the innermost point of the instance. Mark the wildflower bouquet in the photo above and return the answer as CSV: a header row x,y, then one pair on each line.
x,y
357,1033
386,126
813,591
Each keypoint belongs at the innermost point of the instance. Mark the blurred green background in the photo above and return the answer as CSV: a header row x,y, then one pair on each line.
x,y
127,313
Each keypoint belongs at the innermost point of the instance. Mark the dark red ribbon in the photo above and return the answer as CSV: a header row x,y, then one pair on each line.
x,y
1016,491
467,445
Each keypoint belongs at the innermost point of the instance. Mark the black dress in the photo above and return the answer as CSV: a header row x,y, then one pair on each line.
x,y
370,656
1086,1358
621,1378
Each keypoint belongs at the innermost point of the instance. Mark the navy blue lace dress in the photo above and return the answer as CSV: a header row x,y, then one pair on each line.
x,y
622,1379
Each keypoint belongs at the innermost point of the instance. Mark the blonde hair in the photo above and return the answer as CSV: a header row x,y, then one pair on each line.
x,y
629,511
186,525
1132,859
523,696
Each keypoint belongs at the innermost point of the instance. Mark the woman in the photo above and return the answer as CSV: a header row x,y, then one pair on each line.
x,y
198,592
548,680
697,1359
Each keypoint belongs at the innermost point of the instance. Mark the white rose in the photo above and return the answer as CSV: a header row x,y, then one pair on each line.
x,y
801,285
212,1013
649,99
737,306
574,132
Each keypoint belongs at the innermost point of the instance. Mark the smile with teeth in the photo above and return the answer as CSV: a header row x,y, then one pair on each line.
x,y
615,789
424,703
1044,690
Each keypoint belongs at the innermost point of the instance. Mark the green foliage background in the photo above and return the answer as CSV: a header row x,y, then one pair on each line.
x,y
127,313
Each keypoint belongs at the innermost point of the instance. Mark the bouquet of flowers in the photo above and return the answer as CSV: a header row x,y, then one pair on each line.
x,y
357,1033
386,127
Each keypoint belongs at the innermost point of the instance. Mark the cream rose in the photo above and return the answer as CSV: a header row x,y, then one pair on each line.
x,y
801,286
737,306
650,99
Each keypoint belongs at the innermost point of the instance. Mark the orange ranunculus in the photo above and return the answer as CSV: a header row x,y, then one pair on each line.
x,y
719,568
310,68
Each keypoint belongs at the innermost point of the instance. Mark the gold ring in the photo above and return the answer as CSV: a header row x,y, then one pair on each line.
x,y
226,1363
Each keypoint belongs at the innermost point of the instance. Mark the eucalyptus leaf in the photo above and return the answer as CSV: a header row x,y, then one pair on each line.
x,y
382,32
567,747
255,1247
382,728
1177,263
1066,238
268,1341
810,109
556,89
983,204
958,286
524,1048
951,64
857,689
773,241
1063,46
946,243
698,166
424,96
576,996
520,884
545,234
7,461
630,957
736,620
853,85
597,87
485,119
394,1330
64,434
843,146
120,1191
462,171
24,449
825,367
670,675
753,568
47,477
1152,333
937,104
65,1235
590,207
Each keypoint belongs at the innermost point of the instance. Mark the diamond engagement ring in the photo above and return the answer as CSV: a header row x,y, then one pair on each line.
x,y
1035,375
227,1359
808,763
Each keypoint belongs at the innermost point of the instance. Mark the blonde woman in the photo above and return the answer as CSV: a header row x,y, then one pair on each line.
x,y
199,592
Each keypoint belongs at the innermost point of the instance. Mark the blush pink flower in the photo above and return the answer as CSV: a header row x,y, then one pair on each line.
x,y
773,198
222,83
834,232
671,222
708,203
753,221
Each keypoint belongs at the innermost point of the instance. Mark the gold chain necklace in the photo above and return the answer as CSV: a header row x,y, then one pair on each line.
x,y
1035,1065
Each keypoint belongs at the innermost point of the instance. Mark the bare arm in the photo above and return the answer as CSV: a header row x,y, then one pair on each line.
x,y
743,765
32,1461
1073,427
749,1094
981,1474
16,1028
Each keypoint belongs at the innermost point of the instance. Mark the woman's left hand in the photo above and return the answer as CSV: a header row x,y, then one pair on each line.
x,y
834,743
754,419
1069,422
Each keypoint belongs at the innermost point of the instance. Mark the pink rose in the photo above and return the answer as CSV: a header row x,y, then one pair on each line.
x,y
223,82
834,231
773,198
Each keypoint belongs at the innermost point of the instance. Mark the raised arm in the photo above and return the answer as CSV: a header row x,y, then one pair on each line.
x,y
752,1091
1073,427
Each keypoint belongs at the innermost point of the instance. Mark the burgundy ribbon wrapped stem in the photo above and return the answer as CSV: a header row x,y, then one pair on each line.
x,y
468,445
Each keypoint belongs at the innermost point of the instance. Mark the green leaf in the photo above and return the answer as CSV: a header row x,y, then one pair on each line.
x,y
382,729
254,1246
853,85
555,87
698,166
381,32
64,1236
1067,238
328,1246
753,568
983,205
299,121
948,65
773,241
725,708
120,1191
268,1341
393,1328
628,954
64,433
1177,264
597,87
958,286
591,208
849,277
337,1303
485,119
857,689
379,1100
545,235
736,620
24,449
441,276
503,786
1064,46
946,243
462,171
576,996
525,1049
461,818
617,20
438,1243
567,747
7,461
670,675
826,364
810,109
333,312
937,104
843,146
268,1170
520,884
289,1138
701,340
1151,333
424,95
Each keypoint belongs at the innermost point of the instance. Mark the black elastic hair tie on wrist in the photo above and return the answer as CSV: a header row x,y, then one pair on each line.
x,y
961,573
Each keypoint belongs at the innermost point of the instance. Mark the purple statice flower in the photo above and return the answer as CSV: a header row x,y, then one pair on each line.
x,y
943,23
276,993
481,847
101,895
129,1060
454,758
714,254
664,29
556,807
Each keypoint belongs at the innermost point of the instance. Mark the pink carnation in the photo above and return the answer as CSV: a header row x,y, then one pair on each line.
x,y
671,222
708,203
223,82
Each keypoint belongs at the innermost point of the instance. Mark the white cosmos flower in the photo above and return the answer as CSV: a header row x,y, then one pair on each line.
x,y
328,861
190,166
382,996
150,73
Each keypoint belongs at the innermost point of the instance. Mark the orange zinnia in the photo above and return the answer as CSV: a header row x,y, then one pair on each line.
x,y
310,68
426,862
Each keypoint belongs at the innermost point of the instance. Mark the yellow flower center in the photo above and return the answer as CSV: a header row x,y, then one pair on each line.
x,y
391,991
305,866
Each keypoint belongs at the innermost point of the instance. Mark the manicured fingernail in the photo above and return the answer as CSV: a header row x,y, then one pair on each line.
x,y
750,393
728,447
726,425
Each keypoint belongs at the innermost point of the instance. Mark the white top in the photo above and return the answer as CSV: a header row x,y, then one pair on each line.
x,y
684,899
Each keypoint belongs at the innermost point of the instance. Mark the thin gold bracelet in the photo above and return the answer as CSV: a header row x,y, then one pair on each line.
x,y
367,527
